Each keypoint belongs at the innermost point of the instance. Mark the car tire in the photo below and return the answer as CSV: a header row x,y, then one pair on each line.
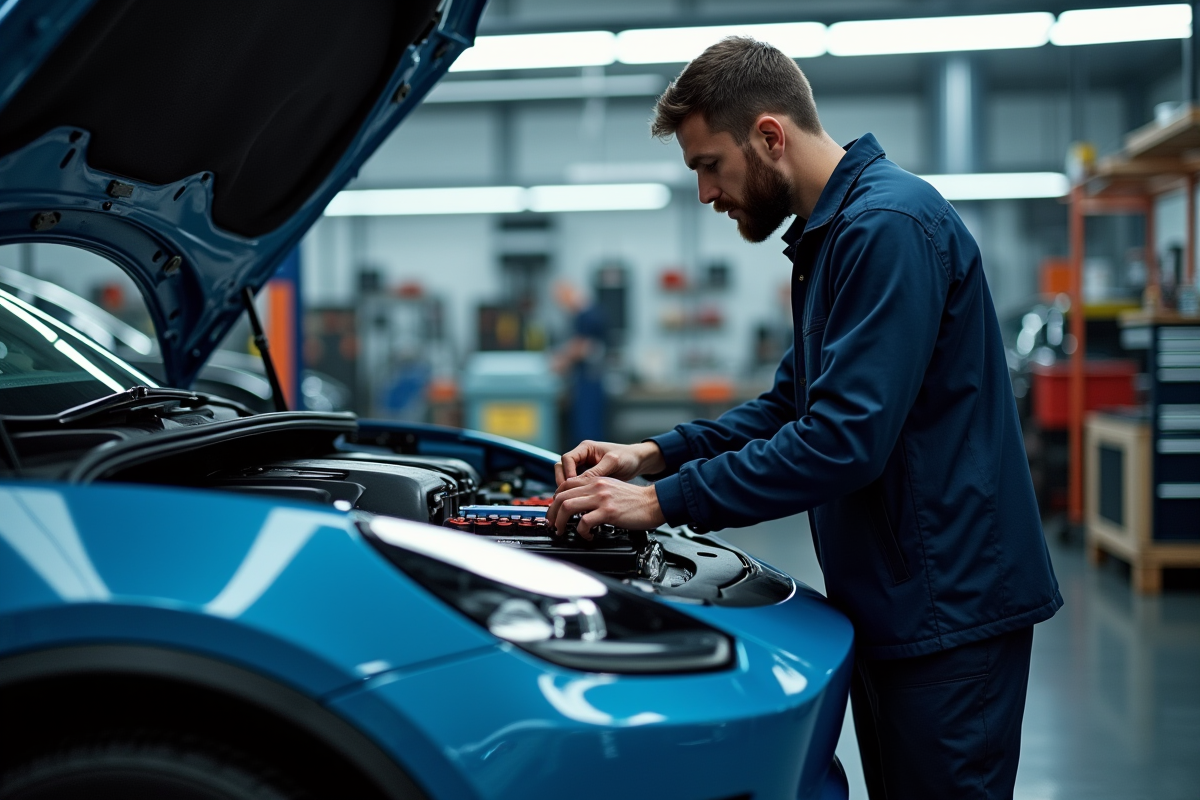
x,y
146,768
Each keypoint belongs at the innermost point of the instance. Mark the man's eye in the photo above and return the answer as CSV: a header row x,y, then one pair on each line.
x,y
710,166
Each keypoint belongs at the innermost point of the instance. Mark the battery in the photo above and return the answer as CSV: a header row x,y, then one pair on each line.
x,y
497,511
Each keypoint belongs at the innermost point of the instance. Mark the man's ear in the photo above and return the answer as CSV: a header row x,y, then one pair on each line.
x,y
771,133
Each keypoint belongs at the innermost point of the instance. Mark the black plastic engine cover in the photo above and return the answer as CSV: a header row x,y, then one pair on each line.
x,y
394,490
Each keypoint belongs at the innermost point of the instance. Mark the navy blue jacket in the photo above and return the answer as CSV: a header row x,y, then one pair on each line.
x,y
892,421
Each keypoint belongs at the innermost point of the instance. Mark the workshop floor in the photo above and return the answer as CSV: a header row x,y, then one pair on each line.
x,y
1114,696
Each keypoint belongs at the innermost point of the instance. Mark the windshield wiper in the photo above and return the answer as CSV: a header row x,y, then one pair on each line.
x,y
136,397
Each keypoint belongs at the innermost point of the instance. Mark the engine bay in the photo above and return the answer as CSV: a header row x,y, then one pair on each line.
x,y
508,508
454,479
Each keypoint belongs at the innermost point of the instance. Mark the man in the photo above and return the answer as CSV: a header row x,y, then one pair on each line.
x,y
581,360
891,421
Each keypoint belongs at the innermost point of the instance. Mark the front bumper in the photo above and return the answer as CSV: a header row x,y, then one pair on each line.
x,y
500,723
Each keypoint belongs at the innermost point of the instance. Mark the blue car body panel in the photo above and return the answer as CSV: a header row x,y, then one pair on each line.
x,y
294,593
192,307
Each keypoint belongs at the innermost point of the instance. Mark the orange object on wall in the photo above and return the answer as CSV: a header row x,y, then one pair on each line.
x,y
1054,276
1107,383
712,390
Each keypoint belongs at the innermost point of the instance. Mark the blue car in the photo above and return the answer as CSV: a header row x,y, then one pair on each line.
x,y
199,601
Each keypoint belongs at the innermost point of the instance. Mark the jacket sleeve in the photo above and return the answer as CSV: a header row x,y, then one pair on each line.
x,y
890,286
759,418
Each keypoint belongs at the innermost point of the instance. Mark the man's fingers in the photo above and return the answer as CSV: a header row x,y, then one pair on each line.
x,y
603,467
575,496
584,454
558,516
558,474
572,483
568,466
589,521
552,513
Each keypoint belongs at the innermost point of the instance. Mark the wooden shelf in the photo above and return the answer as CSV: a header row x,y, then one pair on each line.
x,y
1173,140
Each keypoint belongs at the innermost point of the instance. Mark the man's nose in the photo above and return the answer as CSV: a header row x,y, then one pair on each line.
x,y
708,191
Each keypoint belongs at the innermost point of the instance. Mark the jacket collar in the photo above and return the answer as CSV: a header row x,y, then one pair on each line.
x,y
859,154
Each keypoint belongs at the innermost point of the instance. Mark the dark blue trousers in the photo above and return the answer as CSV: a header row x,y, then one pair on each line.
x,y
946,724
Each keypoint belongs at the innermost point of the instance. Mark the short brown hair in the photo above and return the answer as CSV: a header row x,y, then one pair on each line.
x,y
731,84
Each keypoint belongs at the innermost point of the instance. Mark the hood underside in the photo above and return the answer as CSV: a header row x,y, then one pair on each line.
x,y
195,143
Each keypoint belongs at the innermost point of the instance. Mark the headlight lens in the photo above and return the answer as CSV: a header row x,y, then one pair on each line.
x,y
554,610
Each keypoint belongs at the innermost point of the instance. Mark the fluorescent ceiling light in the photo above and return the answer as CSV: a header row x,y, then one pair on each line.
x,y
599,197
1000,185
1136,24
676,45
498,91
939,34
393,202
808,40
538,50
499,200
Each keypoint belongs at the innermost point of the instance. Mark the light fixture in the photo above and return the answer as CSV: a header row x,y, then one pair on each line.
x,y
499,200
812,39
677,45
500,91
599,197
401,202
538,51
939,34
1000,185
1129,24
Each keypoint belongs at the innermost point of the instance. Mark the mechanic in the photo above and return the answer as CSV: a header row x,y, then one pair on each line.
x,y
891,421
581,360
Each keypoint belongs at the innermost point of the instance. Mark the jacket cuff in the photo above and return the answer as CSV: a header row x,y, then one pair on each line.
x,y
675,452
670,500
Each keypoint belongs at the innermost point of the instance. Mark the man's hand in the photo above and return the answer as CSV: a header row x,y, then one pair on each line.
x,y
607,460
604,501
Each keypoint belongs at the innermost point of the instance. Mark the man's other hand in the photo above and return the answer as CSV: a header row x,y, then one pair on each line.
x,y
607,460
604,501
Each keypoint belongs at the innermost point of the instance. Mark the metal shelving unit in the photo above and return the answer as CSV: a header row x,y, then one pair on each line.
x,y
1156,159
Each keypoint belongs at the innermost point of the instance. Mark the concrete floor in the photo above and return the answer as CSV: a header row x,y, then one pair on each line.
x,y
1114,696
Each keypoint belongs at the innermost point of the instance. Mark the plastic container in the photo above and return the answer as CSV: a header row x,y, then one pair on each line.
x,y
512,394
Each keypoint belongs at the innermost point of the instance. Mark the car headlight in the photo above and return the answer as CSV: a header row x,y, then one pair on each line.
x,y
551,609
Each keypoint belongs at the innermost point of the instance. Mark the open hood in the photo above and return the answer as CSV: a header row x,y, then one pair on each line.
x,y
195,143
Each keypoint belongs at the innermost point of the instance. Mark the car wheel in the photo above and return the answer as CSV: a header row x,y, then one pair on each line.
x,y
142,769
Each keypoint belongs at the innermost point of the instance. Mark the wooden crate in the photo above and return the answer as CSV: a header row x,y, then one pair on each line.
x,y
1130,539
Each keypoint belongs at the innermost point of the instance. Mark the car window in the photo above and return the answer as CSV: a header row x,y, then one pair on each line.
x,y
46,367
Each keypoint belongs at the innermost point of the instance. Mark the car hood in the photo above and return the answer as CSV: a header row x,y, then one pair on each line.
x,y
195,144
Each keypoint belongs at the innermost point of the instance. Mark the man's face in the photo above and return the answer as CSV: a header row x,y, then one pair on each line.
x,y
736,180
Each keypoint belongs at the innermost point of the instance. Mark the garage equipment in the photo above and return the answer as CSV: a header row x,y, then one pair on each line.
x,y
512,394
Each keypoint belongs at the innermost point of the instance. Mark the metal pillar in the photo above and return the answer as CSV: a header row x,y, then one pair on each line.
x,y
959,115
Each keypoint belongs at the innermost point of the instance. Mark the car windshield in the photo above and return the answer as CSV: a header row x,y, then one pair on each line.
x,y
46,368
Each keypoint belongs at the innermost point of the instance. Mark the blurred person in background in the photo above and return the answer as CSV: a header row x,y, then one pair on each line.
x,y
891,421
580,360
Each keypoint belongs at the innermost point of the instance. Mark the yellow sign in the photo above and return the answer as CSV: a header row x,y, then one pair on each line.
x,y
514,420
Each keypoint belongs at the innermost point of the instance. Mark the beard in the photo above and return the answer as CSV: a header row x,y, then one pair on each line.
x,y
767,201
